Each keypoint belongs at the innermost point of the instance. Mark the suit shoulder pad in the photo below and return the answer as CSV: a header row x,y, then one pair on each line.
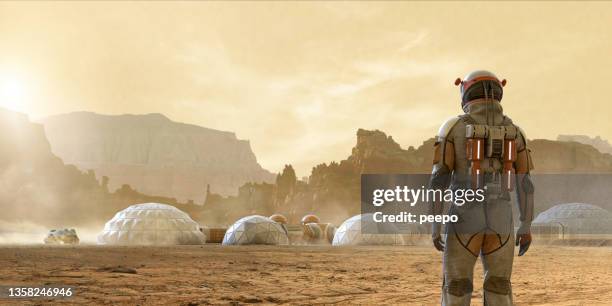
x,y
522,132
447,127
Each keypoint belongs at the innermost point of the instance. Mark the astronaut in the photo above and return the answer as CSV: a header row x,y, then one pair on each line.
x,y
482,149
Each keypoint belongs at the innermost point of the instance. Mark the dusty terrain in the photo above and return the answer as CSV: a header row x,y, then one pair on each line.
x,y
191,275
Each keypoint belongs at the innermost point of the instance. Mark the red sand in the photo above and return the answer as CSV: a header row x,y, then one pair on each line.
x,y
192,275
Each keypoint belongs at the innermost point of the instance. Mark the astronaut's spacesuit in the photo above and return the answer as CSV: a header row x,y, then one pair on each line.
x,y
482,149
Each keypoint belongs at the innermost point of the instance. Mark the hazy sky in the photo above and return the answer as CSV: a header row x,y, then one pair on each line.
x,y
297,79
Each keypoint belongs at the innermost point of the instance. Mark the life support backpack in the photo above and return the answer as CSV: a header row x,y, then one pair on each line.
x,y
491,152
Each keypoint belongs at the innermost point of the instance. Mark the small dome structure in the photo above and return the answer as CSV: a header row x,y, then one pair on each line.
x,y
577,218
256,230
151,224
278,218
363,230
310,219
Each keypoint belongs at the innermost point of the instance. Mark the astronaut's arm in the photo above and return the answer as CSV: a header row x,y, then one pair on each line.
x,y
524,188
524,185
524,192
443,165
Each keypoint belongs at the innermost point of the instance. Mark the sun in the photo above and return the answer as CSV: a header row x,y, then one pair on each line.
x,y
12,94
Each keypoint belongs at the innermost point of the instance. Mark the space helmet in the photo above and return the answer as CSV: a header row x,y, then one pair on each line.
x,y
480,84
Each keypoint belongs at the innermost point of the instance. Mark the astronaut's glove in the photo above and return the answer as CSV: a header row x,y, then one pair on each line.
x,y
523,237
438,243
436,237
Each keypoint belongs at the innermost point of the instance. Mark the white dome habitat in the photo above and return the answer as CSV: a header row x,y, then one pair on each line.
x,y
256,230
577,218
151,224
351,232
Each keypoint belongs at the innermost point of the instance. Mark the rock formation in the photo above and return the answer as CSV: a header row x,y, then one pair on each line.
x,y
568,157
154,154
597,142
37,187
333,190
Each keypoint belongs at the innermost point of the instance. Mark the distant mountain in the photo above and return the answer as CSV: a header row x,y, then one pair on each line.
x,y
597,142
564,172
568,157
154,154
37,187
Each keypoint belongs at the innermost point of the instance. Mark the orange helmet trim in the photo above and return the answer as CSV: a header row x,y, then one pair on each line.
x,y
471,82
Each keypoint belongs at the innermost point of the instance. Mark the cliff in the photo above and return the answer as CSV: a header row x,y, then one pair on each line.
x,y
333,189
597,142
375,152
37,187
154,154
568,157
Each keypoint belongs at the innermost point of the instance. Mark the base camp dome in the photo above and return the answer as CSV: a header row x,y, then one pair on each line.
x,y
577,218
151,224
363,230
256,230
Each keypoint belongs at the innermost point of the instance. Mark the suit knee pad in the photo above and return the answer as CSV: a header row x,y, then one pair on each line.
x,y
459,287
498,285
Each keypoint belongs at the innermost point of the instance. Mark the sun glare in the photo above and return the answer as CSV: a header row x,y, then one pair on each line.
x,y
12,94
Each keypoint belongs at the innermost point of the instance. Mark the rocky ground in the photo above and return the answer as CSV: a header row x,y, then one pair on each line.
x,y
211,274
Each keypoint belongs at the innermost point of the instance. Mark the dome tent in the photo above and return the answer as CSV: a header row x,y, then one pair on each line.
x,y
151,224
256,230
577,218
278,218
310,219
372,233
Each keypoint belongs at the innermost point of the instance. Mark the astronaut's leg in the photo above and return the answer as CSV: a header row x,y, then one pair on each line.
x,y
458,272
498,269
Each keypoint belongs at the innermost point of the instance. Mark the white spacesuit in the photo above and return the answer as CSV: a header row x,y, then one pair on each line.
x,y
482,149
